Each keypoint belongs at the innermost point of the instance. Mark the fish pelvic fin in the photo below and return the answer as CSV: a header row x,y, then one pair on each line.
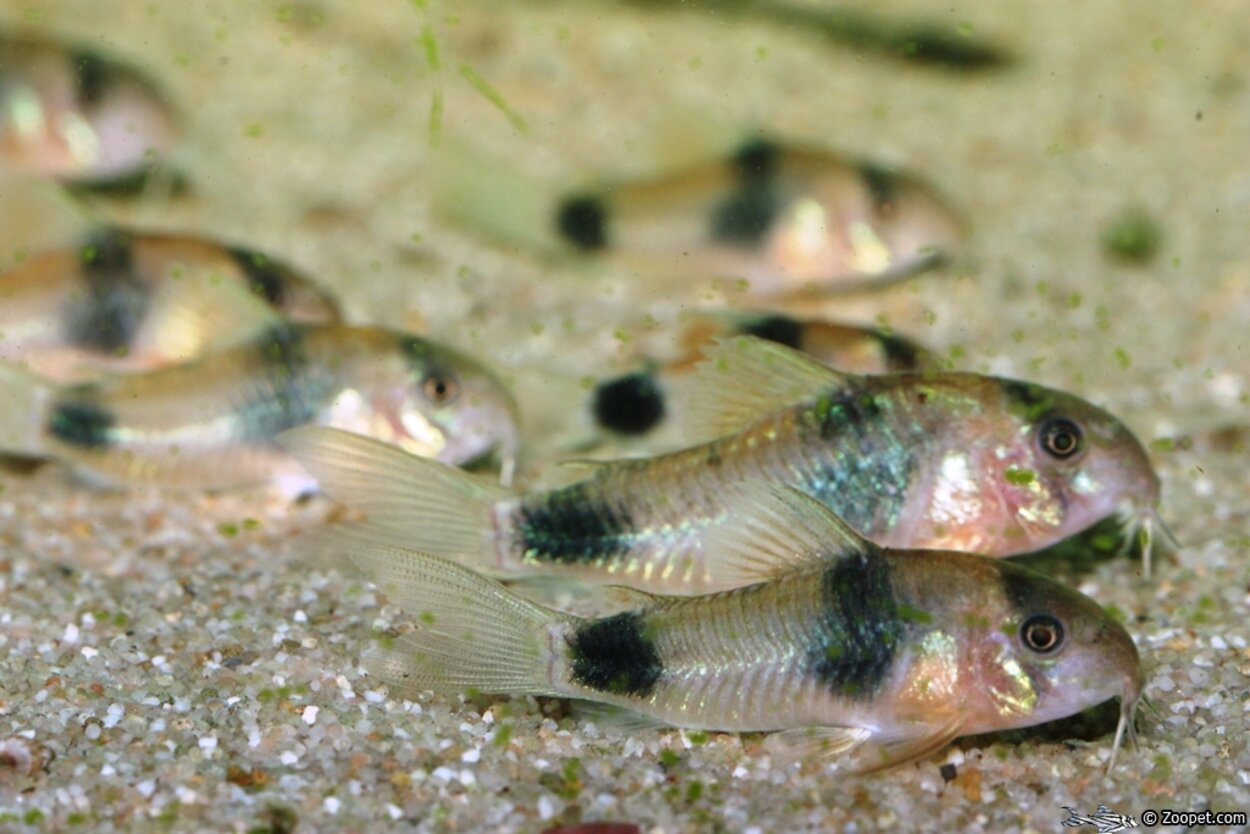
x,y
771,529
471,633
404,498
801,744
25,401
744,378
863,750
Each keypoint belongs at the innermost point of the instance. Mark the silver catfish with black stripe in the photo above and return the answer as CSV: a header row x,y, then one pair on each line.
x,y
950,461
846,648
212,423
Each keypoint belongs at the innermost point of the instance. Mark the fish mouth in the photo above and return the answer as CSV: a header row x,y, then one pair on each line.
x,y
1130,700
1140,525
499,457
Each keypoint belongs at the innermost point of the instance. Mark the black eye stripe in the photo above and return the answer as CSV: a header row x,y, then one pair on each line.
x,y
1042,633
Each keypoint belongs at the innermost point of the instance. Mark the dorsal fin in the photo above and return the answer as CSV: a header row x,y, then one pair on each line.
x,y
198,311
744,378
772,529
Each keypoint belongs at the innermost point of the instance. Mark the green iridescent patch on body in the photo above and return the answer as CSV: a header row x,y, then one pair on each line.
x,y
863,457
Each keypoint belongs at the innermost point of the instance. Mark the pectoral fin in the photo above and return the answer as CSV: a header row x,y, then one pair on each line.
x,y
901,747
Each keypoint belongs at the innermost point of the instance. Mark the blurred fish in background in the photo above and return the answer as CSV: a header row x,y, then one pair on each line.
x,y
210,424
778,220
957,49
128,301
77,115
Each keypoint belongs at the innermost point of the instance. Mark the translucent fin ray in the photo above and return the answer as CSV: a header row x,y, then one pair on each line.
x,y
744,378
409,499
772,529
471,631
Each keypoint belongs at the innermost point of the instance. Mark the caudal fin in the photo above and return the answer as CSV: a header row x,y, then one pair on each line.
x,y
24,403
471,632
493,198
406,499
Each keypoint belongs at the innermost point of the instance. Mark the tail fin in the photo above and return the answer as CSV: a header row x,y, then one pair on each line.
x,y
406,499
472,633
494,199
24,402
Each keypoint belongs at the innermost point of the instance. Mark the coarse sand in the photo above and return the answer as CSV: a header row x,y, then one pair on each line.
x,y
184,662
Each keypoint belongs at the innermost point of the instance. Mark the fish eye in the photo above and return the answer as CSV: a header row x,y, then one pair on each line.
x,y
1061,438
440,387
1042,633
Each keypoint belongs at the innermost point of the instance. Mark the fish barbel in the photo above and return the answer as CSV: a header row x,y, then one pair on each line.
x,y
211,424
946,461
73,114
846,651
784,219
128,301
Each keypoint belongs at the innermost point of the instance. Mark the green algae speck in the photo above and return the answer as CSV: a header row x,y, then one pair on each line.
x,y
1020,477
1133,236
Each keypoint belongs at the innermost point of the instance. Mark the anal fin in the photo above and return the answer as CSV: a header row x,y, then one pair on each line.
x,y
611,715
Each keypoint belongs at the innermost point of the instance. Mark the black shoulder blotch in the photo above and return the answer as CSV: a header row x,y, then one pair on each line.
x,y
632,404
281,347
583,221
616,655
108,249
287,398
860,628
108,314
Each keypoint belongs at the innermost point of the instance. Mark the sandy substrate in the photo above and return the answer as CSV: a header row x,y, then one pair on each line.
x,y
181,662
